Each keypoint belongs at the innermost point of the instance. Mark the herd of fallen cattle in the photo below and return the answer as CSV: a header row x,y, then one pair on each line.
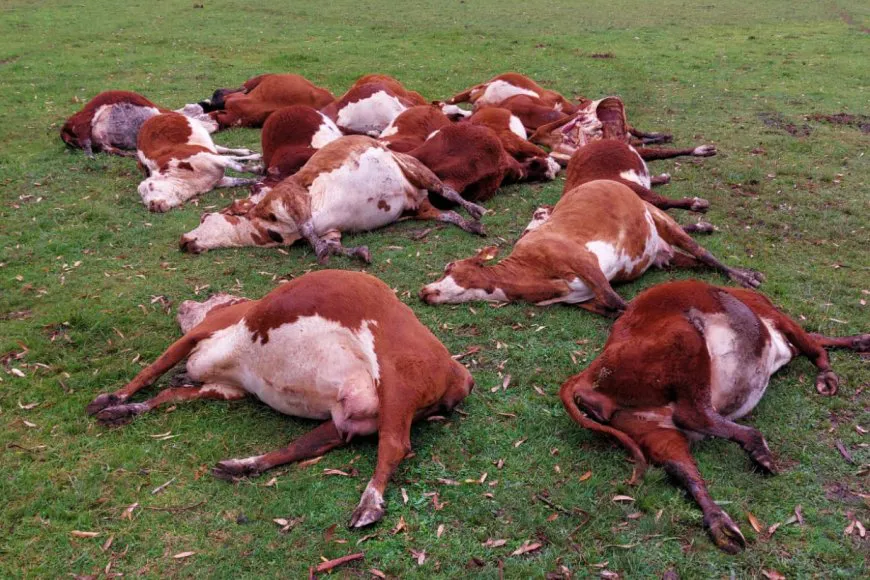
x,y
684,359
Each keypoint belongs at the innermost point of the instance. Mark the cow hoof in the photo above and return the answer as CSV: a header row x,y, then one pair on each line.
x,y
763,458
861,343
746,278
476,228
101,402
704,151
662,179
233,470
726,535
700,228
120,414
370,509
827,383
475,210
699,204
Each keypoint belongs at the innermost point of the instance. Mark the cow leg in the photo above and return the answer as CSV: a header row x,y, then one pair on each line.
x,y
173,355
122,414
670,449
699,228
652,153
394,444
232,163
650,138
661,179
673,234
427,211
857,342
88,148
686,203
698,416
227,151
118,152
421,176
318,441
227,181
361,252
606,301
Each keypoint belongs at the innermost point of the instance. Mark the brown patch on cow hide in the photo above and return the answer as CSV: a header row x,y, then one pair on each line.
x,y
383,205
185,165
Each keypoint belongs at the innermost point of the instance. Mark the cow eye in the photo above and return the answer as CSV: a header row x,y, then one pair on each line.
x,y
272,217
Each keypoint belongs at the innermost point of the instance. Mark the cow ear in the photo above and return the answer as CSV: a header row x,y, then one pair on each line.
x,y
488,253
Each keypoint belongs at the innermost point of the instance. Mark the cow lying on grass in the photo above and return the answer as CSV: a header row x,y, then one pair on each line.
x,y
412,127
513,138
181,161
598,232
110,122
371,104
684,361
352,184
332,345
498,89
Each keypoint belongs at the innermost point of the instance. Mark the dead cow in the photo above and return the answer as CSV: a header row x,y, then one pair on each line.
x,y
412,127
291,136
264,95
496,90
618,161
371,104
469,159
181,161
352,184
332,345
530,110
598,232
685,361
538,164
110,122
605,119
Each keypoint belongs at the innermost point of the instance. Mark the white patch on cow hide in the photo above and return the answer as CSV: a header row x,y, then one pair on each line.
x,y
499,91
517,128
612,258
632,176
326,133
449,292
579,292
370,115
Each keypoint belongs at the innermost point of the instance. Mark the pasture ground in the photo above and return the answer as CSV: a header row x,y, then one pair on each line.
x,y
85,274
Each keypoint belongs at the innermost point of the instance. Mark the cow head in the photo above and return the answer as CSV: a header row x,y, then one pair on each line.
x,y
465,281
192,313
236,226
198,112
541,215
452,112
218,99
160,193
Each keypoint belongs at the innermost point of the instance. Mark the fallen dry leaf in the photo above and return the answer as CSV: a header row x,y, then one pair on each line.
x,y
310,462
772,529
329,533
491,543
772,575
753,521
861,530
29,424
527,547
81,534
26,407
553,517
798,513
499,464
377,573
272,482
446,481
618,498
609,575
420,556
287,525
505,382
440,531
399,526
107,544
128,513
366,538
182,555
404,496
336,472
844,452
471,350
520,442
586,476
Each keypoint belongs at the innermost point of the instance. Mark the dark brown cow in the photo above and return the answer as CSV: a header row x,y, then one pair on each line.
x,y
412,127
500,88
265,95
598,232
181,161
110,122
686,360
291,136
469,159
331,345
352,184
538,165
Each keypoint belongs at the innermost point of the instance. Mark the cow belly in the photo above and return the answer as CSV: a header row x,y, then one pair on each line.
x,y
363,194
313,368
618,264
739,372
118,125
578,292
370,115
498,91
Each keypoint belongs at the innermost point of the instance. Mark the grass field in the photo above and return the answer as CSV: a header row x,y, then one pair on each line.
x,y
83,266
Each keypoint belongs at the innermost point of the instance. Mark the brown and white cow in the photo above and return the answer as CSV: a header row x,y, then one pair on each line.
x,y
604,119
531,111
353,184
504,86
371,104
469,159
684,361
181,161
110,122
619,161
291,136
413,126
598,232
332,345
265,94
538,164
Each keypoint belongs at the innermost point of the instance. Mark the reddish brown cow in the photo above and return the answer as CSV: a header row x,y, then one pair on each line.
x,y
537,164
332,345
218,98
352,184
412,127
685,361
598,232
531,111
290,137
504,86
619,161
110,122
371,104
604,119
469,159
268,93
180,161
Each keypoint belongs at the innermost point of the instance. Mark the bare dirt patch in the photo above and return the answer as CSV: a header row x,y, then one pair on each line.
x,y
779,121
861,122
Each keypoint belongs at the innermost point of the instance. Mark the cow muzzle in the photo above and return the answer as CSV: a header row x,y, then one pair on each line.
x,y
188,244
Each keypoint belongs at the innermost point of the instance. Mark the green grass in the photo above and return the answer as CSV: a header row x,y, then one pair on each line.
x,y
79,251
